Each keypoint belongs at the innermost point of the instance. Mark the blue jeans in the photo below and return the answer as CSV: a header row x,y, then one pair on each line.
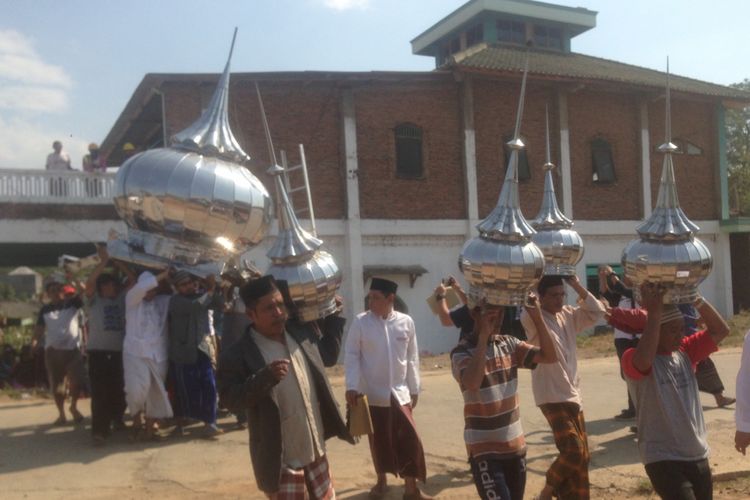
x,y
503,479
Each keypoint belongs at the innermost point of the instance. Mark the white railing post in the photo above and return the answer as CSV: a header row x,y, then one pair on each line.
x,y
70,187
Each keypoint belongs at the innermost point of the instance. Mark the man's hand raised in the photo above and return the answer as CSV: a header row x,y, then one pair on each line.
x,y
279,368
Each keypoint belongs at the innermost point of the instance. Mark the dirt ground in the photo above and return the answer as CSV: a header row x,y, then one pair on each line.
x,y
38,460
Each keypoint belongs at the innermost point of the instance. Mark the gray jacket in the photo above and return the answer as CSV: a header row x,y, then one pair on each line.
x,y
188,324
245,382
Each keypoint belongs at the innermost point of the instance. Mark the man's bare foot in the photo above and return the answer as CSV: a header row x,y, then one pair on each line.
x,y
416,495
378,491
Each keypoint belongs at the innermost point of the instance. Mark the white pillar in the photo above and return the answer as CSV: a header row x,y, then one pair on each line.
x,y
567,184
354,282
724,299
470,156
645,161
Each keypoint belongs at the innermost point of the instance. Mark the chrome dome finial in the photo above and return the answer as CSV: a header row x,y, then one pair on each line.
x,y
562,246
211,134
192,205
667,251
311,274
502,263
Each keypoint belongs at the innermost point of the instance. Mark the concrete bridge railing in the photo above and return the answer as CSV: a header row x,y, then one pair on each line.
x,y
65,187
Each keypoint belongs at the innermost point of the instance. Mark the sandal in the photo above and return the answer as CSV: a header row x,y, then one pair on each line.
x,y
77,416
60,421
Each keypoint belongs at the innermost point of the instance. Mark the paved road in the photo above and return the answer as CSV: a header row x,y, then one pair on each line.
x,y
41,461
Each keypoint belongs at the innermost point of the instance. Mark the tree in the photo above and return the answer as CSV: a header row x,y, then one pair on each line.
x,y
738,155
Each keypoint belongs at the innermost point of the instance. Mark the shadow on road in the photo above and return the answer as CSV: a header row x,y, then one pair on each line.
x,y
36,446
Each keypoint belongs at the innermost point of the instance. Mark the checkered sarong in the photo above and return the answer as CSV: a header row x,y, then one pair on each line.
x,y
312,481
569,473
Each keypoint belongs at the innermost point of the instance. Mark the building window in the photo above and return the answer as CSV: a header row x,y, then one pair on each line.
x,y
511,31
524,172
602,161
686,147
475,35
409,151
547,37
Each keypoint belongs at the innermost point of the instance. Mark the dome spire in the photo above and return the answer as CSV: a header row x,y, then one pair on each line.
x,y
311,274
667,221
211,134
502,263
561,245
667,252
550,216
506,222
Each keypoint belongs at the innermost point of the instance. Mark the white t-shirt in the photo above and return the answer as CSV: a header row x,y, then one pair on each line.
x,y
58,161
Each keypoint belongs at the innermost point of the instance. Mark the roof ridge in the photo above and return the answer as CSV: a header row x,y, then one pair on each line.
x,y
641,74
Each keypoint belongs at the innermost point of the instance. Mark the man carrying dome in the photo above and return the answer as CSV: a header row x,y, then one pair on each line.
x,y
660,374
556,385
275,373
486,368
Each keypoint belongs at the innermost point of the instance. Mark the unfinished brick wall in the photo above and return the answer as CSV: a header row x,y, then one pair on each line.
x,y
692,121
615,118
308,111
434,106
495,104
298,112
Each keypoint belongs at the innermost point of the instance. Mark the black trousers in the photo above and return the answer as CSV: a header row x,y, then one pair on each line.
x,y
622,345
107,390
678,480
499,479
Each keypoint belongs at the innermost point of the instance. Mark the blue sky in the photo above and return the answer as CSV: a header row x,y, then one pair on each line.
x,y
67,68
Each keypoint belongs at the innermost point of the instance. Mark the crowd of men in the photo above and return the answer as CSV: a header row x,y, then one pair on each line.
x,y
152,349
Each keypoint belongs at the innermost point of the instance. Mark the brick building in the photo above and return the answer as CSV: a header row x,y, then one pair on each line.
x,y
403,165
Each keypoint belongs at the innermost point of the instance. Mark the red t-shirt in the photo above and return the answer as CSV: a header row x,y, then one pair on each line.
x,y
698,347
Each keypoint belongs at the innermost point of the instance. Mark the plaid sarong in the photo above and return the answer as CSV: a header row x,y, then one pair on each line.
x,y
569,473
312,481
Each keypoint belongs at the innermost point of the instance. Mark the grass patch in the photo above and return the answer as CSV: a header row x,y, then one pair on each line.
x,y
19,394
738,325
595,346
18,336
643,487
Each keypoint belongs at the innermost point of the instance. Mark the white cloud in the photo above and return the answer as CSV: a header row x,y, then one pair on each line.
x,y
27,98
27,82
27,69
31,89
346,4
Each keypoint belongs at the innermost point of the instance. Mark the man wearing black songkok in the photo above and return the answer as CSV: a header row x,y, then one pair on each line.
x,y
275,373
382,362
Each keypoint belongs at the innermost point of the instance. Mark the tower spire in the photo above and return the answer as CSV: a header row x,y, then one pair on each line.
x,y
211,134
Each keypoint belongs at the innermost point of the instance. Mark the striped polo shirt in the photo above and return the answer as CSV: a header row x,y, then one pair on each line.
x,y
492,428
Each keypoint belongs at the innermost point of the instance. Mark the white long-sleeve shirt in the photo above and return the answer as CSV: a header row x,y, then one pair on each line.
x,y
558,382
742,413
146,321
382,358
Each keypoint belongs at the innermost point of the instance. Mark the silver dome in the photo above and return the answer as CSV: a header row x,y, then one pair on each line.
x,y
667,251
311,274
502,264
296,257
561,245
192,204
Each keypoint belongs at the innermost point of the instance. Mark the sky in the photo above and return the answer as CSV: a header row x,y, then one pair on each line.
x,y
67,68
